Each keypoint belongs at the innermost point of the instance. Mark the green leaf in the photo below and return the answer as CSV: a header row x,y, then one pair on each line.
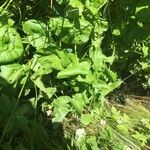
x,y
52,61
46,64
59,25
77,4
11,73
111,74
115,85
102,86
11,47
80,34
82,69
37,41
31,27
86,119
79,101
89,78
61,108
123,128
116,114
36,32
94,5
69,33
48,91
65,58
145,50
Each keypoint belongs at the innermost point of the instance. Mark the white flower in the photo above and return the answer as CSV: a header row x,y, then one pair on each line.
x,y
49,112
102,122
80,133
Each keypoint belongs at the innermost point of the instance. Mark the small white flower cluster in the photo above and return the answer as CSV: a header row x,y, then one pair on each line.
x,y
102,122
80,133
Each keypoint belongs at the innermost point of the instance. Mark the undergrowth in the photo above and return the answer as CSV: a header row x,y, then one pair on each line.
x,y
60,63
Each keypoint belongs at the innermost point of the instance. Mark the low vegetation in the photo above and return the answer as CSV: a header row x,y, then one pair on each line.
x,y
74,74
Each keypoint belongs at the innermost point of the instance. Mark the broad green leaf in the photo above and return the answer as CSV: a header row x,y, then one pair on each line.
x,y
73,58
115,85
80,34
86,119
11,73
49,91
32,27
37,41
52,61
46,64
82,69
64,58
111,74
69,33
97,58
61,108
79,101
77,4
94,5
116,114
89,79
11,47
102,87
57,25
36,32
123,128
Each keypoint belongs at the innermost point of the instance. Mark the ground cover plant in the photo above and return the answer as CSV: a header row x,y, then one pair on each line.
x,y
74,74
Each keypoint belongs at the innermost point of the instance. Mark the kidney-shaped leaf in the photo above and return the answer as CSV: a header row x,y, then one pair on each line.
x,y
11,47
11,72
34,26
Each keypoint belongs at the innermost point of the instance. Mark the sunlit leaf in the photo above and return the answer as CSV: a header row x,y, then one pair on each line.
x,y
61,108
34,27
11,47
49,91
83,69
12,72
86,119
79,101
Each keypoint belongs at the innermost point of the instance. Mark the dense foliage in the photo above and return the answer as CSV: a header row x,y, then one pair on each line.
x,y
60,60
